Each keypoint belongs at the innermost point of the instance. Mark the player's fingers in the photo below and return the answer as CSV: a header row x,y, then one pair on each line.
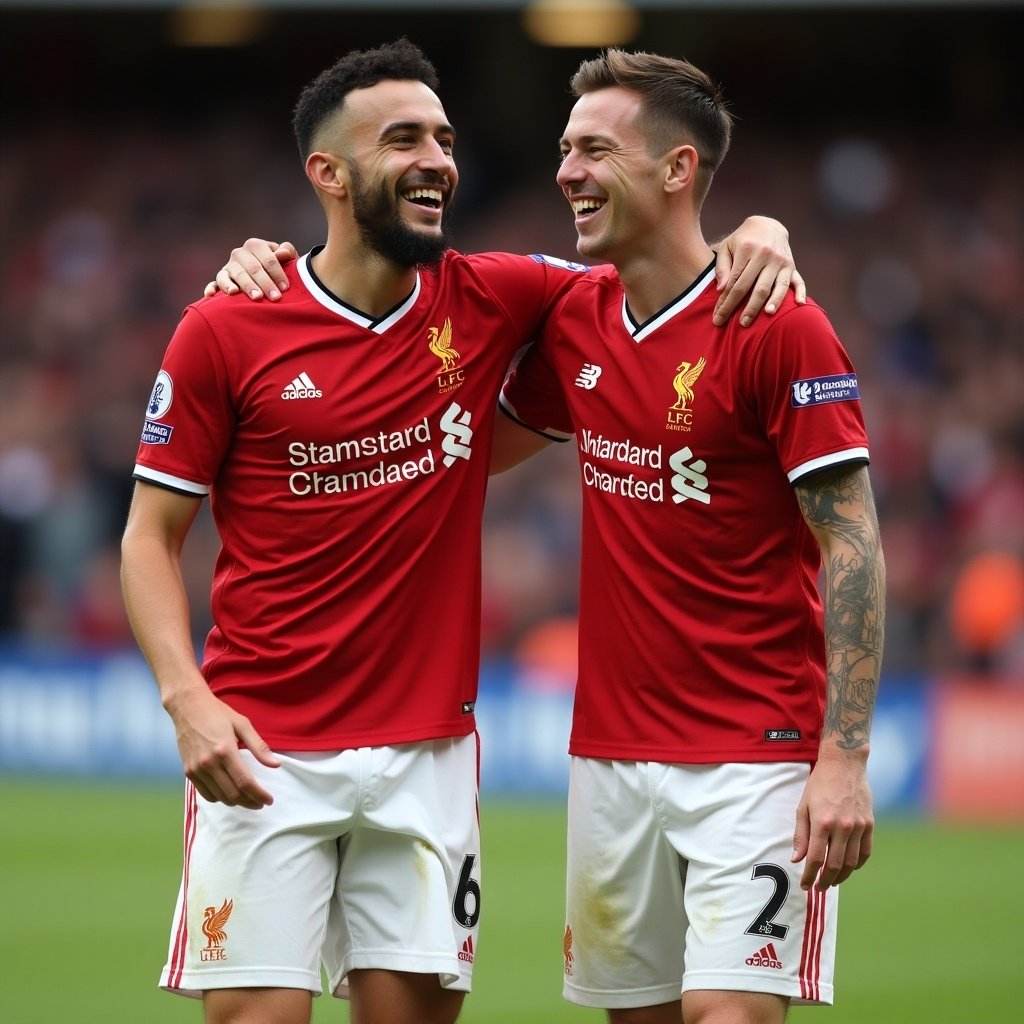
x,y
219,774
814,862
867,844
227,284
203,790
259,259
799,287
285,252
858,851
801,834
253,267
255,744
734,291
237,787
778,289
759,295
723,266
250,276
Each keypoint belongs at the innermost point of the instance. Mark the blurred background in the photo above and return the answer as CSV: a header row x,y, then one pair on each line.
x,y
141,141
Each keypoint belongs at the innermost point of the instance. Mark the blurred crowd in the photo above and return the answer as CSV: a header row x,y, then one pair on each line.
x,y
107,233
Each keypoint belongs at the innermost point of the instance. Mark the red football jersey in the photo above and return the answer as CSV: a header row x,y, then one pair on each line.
x,y
701,637
346,460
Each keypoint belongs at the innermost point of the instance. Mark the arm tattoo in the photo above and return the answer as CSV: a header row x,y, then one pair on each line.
x,y
839,507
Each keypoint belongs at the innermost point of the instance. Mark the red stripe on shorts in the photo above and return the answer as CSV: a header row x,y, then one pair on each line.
x,y
177,964
810,954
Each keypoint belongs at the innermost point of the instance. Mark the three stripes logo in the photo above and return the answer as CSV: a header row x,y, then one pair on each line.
x,y
302,387
765,957
466,953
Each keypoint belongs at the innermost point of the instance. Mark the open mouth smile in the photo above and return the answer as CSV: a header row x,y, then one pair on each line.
x,y
586,207
430,198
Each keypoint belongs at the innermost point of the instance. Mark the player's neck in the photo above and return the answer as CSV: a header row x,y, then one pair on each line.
x,y
364,280
654,277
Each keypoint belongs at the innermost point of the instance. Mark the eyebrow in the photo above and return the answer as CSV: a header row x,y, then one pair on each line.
x,y
415,126
585,140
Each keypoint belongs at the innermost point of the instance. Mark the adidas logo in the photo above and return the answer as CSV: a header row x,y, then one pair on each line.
x,y
302,387
466,953
765,957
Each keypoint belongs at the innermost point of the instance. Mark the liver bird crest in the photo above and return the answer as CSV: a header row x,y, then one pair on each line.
x,y
441,345
214,921
684,381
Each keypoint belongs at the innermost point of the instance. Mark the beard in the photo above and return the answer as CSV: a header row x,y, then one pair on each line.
x,y
375,210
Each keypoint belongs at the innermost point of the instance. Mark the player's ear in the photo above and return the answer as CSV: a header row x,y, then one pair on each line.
x,y
680,168
328,173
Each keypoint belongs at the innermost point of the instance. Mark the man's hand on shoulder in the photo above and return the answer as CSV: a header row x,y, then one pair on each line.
x,y
755,263
256,268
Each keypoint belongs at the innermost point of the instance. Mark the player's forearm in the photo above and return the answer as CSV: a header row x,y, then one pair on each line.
x,y
158,611
839,508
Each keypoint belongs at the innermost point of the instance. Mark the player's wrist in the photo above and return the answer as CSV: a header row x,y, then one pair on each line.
x,y
838,749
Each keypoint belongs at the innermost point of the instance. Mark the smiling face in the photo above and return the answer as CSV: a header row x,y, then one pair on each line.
x,y
399,169
609,175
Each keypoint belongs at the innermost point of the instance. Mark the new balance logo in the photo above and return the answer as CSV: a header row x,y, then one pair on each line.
x,y
466,953
587,377
302,387
766,957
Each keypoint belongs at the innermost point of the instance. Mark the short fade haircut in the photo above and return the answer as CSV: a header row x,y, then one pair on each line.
x,y
679,101
324,97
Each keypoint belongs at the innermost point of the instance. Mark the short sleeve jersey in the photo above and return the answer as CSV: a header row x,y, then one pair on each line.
x,y
701,637
346,460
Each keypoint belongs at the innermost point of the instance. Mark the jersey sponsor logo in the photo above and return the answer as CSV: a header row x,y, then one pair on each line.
x,y
161,396
588,375
554,261
625,452
765,957
156,433
567,951
822,390
466,953
680,414
214,920
782,735
301,387
439,341
689,480
456,442
313,463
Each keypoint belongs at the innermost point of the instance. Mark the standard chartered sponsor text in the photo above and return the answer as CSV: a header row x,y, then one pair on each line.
x,y
627,453
313,461
687,479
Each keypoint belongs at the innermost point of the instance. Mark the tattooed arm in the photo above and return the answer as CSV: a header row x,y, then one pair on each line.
x,y
835,822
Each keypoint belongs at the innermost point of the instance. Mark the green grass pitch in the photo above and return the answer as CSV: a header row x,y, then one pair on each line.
x,y
88,875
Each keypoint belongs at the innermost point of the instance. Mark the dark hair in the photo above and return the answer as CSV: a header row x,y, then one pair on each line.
x,y
359,69
678,100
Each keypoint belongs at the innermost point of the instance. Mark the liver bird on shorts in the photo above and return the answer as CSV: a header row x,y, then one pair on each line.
x,y
214,921
440,344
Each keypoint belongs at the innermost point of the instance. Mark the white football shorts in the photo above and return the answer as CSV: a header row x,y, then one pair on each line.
x,y
679,878
368,858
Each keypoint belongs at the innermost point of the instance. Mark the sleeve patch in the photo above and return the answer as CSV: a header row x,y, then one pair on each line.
x,y
156,433
554,261
814,391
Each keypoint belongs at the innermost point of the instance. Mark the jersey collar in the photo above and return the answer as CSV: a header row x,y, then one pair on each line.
x,y
639,332
330,301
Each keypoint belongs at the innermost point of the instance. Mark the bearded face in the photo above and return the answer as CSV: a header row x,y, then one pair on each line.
x,y
377,211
